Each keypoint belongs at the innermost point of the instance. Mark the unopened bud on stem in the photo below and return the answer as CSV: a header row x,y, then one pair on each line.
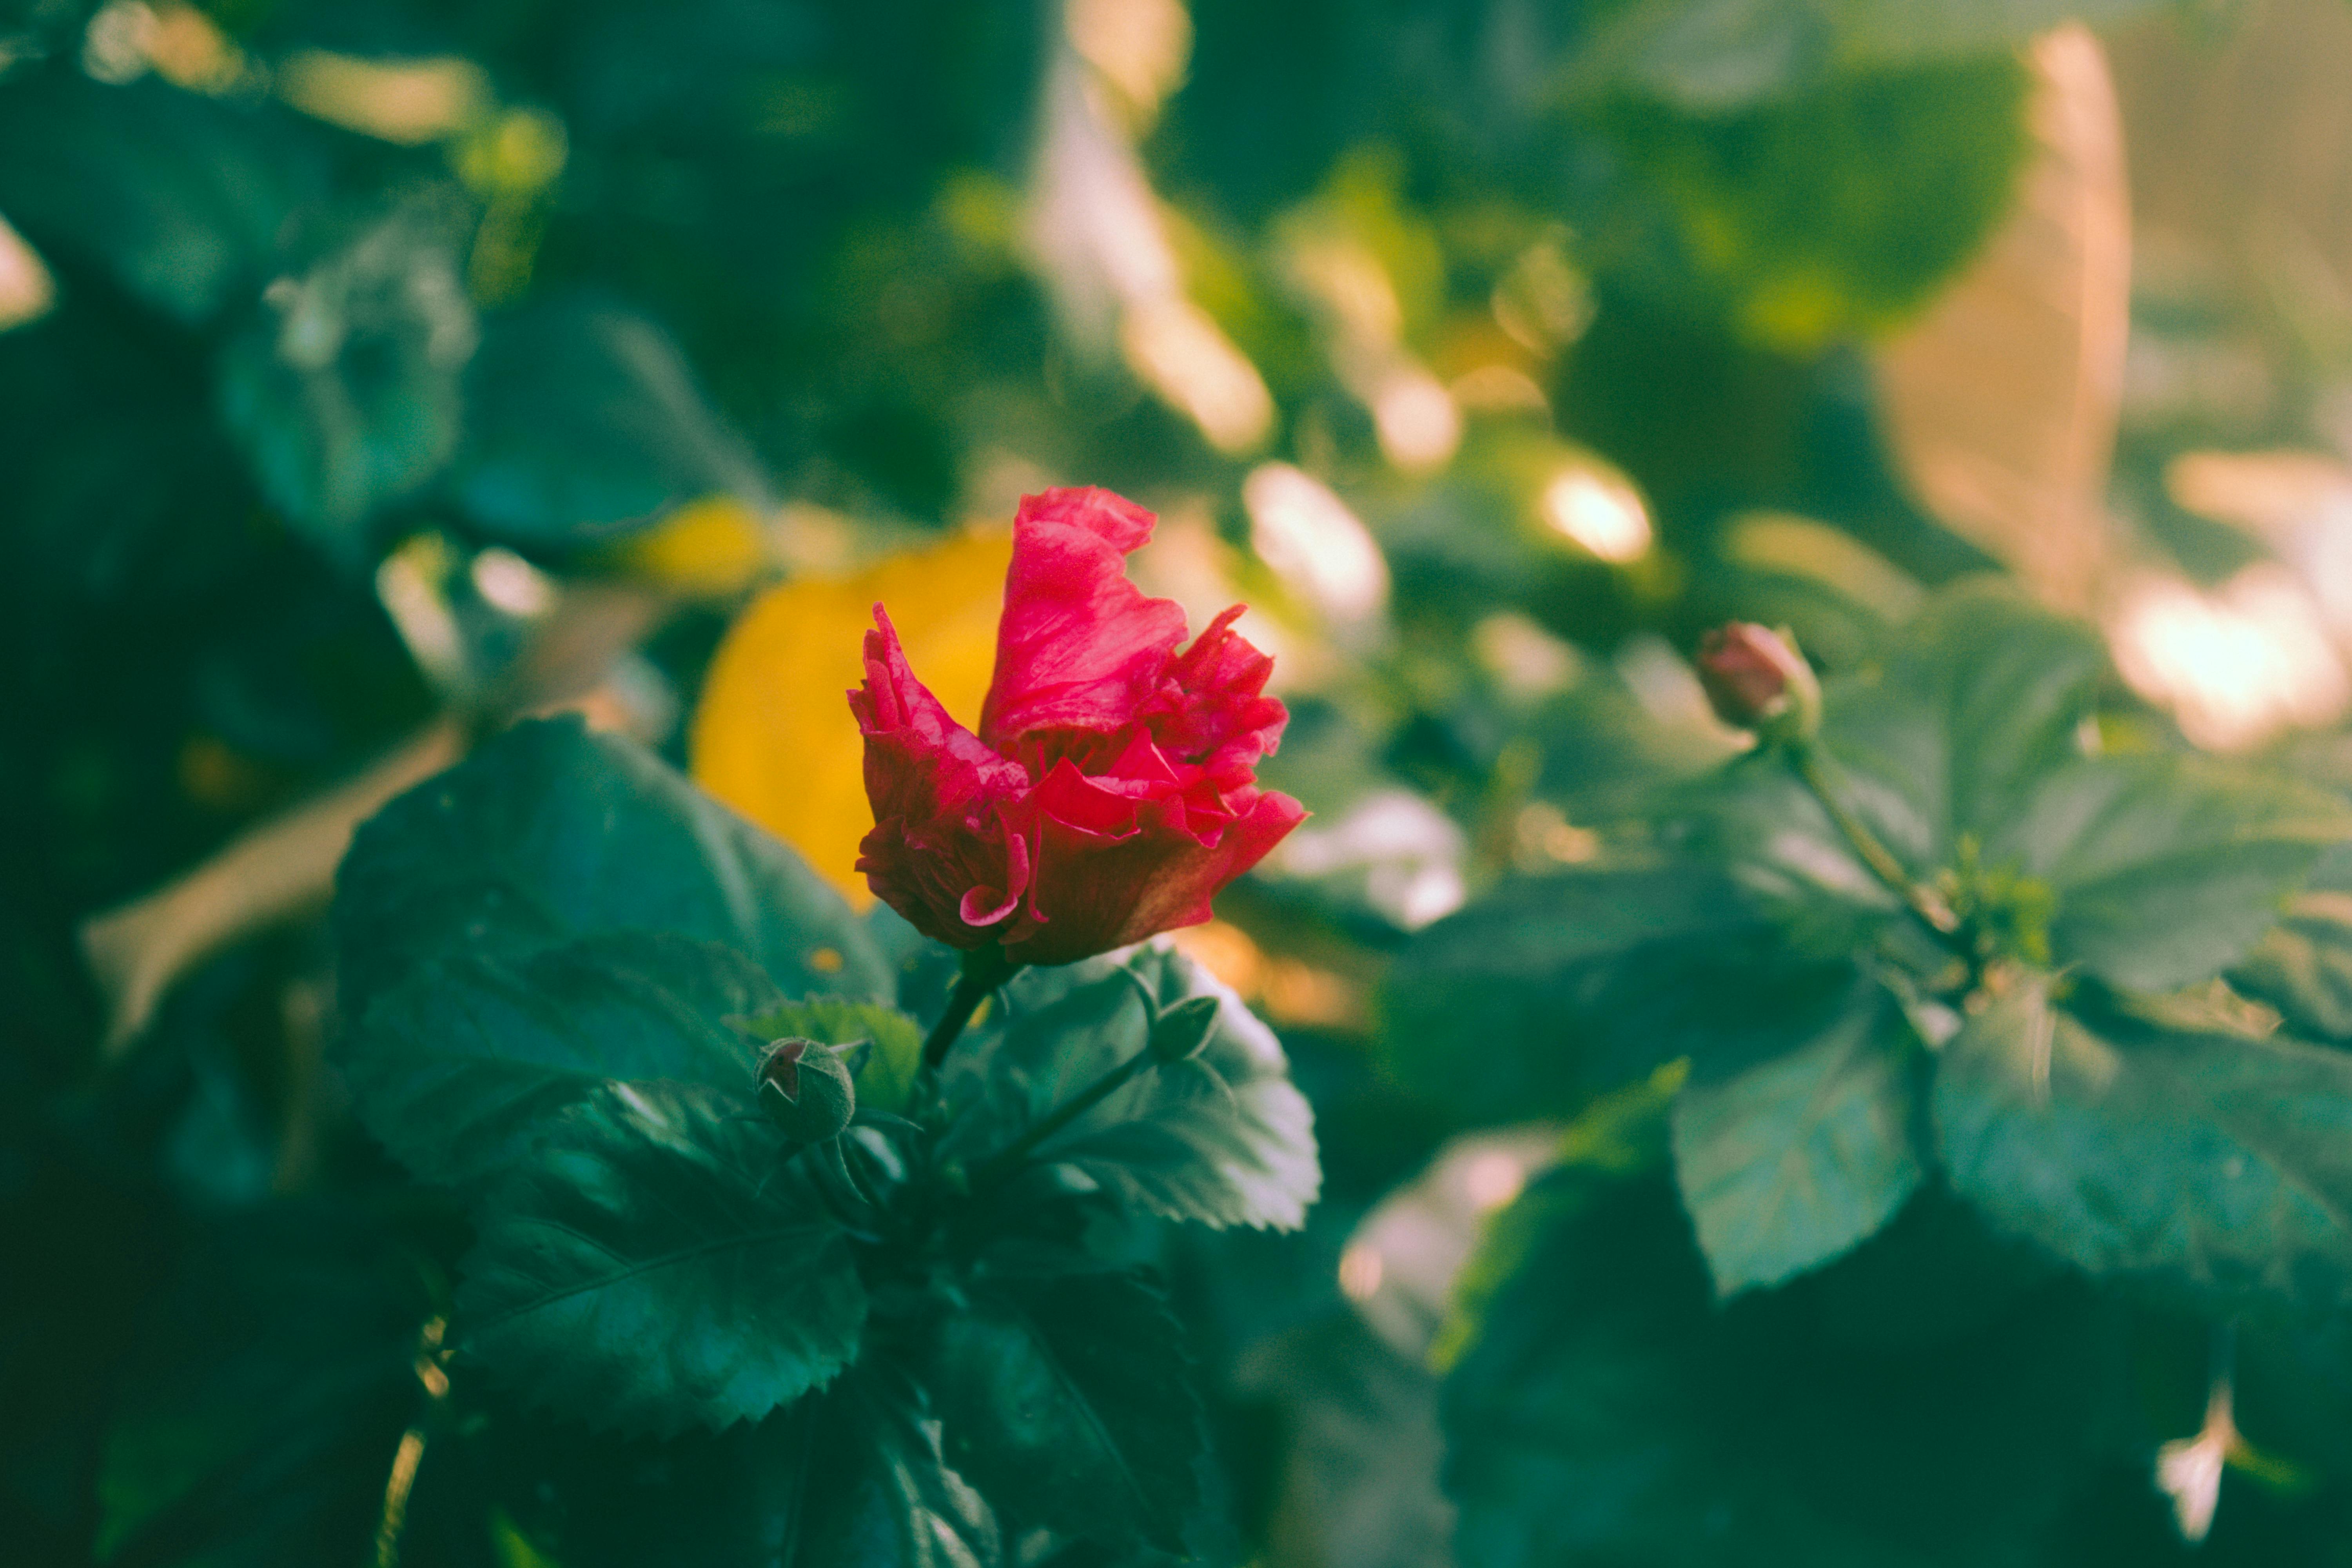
x,y
1755,680
805,1089
1178,1033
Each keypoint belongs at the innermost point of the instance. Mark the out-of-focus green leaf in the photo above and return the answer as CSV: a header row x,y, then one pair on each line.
x,y
1626,1132
1716,56
1069,1401
269,1389
1553,988
582,419
180,197
1792,1162
653,1261
1811,218
2217,1159
888,1075
2166,869
1224,1139
851,1476
1842,599
345,388
2304,967
456,1071
1610,1410
548,833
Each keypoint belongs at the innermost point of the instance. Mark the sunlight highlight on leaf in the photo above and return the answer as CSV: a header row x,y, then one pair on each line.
x,y
708,547
774,736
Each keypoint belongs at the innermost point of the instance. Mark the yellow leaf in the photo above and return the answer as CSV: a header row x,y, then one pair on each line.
x,y
774,736
708,547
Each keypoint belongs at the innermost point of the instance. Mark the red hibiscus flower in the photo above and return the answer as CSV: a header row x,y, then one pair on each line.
x,y
1112,788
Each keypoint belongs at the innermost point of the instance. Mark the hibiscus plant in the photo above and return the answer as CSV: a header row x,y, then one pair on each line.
x,y
721,1190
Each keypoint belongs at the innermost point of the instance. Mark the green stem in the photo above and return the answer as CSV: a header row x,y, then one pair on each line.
x,y
984,969
1920,899
1007,1161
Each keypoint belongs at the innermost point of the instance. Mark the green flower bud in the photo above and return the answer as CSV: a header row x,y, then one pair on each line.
x,y
1178,1033
805,1089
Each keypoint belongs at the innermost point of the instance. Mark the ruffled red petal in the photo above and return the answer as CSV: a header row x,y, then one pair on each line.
x,y
937,793
1211,710
1079,647
1105,892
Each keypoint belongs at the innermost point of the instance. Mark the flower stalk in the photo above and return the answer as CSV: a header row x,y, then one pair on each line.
x,y
1923,901
1002,1165
985,969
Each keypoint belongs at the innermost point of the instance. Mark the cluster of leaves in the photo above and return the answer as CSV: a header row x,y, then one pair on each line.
x,y
560,961
1949,1142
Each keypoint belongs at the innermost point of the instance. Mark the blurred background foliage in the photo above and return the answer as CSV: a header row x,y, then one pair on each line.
x,y
375,372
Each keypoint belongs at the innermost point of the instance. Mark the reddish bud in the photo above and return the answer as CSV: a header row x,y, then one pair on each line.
x,y
1755,680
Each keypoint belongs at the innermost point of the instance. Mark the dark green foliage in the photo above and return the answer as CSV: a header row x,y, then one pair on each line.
x,y
550,833
1609,1411
1596,976
647,1264
344,385
1940,1184
843,1478
582,419
2137,1147
2164,871
1720,55
2070,1113
2304,967
456,1068
1221,1139
1818,215
178,197
277,1374
1069,1402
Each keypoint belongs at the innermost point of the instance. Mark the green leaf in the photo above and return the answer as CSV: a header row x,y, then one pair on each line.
x,y
1713,55
2304,967
1787,1164
1070,1402
1816,217
583,418
2131,1148
655,1261
880,1492
1224,1138
548,833
1625,1132
2167,869
1552,989
888,1075
1610,1411
345,388
456,1071
848,1477
179,195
